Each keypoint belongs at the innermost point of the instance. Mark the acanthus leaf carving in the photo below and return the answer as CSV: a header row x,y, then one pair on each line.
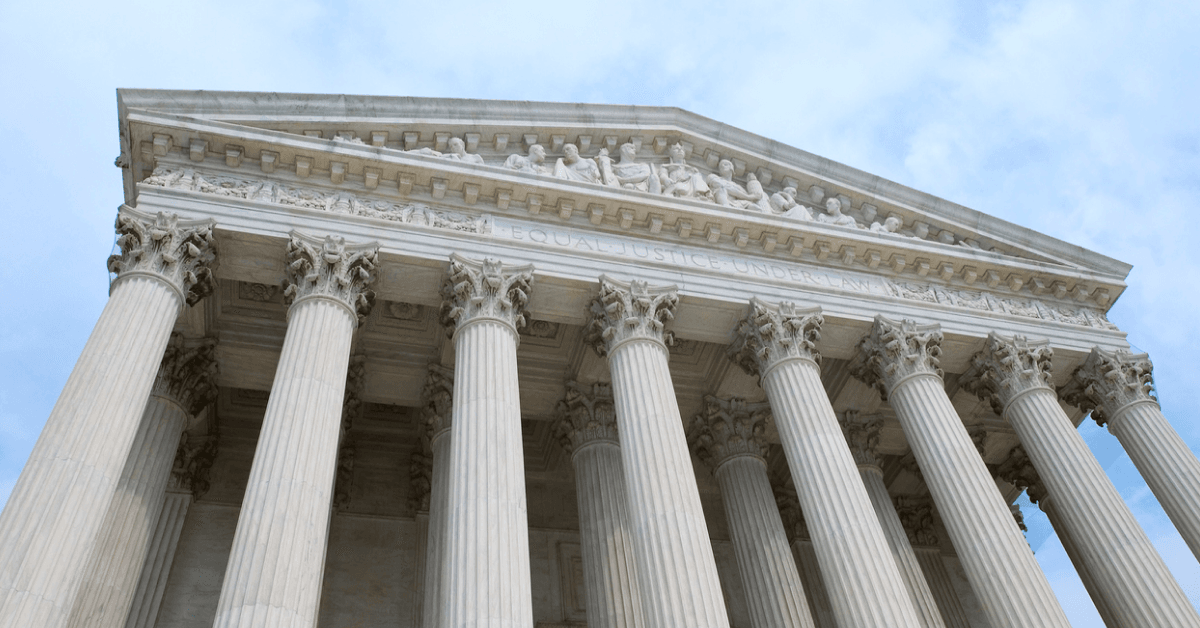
x,y
1006,368
178,252
188,372
893,351
729,428
626,311
916,515
333,269
772,333
1018,470
437,400
1108,381
192,464
862,435
586,415
420,477
352,407
485,289
789,510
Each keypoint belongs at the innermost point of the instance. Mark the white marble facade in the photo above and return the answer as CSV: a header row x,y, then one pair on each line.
x,y
448,363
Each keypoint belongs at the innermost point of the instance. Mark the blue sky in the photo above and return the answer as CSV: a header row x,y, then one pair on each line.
x,y
1077,119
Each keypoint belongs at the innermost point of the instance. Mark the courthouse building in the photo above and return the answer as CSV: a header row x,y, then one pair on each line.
x,y
432,363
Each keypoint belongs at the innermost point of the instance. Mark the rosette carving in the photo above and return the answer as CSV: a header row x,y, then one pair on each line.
x,y
485,289
332,269
729,428
625,311
916,515
178,252
1108,381
1006,368
895,350
773,333
188,373
862,435
586,415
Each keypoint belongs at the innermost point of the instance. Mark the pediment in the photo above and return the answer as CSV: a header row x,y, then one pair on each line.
x,y
381,155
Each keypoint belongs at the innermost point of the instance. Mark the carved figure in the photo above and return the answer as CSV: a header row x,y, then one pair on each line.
x,y
574,168
678,179
833,215
531,163
783,201
627,173
458,152
758,196
723,189
889,225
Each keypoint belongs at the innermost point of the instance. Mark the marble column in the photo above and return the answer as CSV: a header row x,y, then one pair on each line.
x,y
916,515
1018,471
805,556
676,567
901,361
1014,375
54,514
862,435
587,429
185,384
438,396
778,343
729,437
1115,386
486,580
277,561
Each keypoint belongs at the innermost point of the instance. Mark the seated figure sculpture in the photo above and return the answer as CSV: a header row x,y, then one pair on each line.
x,y
627,173
531,163
723,189
574,168
785,203
833,215
678,179
757,196
458,152
891,225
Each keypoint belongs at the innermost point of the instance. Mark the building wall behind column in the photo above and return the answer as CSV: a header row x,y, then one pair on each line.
x,y
194,583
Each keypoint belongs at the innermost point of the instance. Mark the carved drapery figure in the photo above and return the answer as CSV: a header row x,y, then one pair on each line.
x,y
758,198
891,224
723,189
627,173
458,152
572,167
833,215
531,162
678,179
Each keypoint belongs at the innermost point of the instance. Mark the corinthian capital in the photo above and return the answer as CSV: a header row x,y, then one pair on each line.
x,y
1018,470
862,435
188,373
192,464
773,333
1006,368
625,311
729,428
789,510
485,290
437,399
331,269
1108,381
420,478
916,515
586,415
895,350
177,252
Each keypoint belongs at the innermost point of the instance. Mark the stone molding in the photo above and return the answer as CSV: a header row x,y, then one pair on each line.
x,y
862,435
330,268
729,428
1108,381
772,333
352,406
437,400
178,252
894,351
586,415
630,311
1007,368
193,462
188,373
916,515
487,289
1018,470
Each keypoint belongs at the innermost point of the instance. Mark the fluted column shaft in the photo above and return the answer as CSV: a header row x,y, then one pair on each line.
x,y
774,592
1169,467
111,574
865,586
1081,568
435,544
486,579
276,565
613,594
153,579
902,550
676,566
814,587
996,557
58,504
1127,569
930,559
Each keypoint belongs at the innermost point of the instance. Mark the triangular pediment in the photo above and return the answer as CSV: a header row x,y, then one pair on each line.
x,y
705,182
